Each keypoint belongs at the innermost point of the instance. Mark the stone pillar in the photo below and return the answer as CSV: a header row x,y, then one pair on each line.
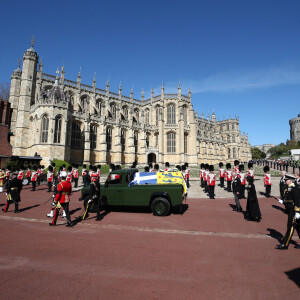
x,y
87,152
102,143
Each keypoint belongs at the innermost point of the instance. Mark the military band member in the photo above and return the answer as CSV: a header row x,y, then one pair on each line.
x,y
205,178
14,188
211,180
69,174
250,170
38,179
21,173
99,171
50,178
62,199
243,179
150,167
167,167
291,201
282,184
221,174
76,175
34,177
156,168
188,171
236,187
7,175
228,175
28,174
267,181
84,171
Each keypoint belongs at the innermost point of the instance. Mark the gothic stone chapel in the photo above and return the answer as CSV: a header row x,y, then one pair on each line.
x,y
58,118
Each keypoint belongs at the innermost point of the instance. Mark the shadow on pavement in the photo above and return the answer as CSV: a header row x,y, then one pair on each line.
x,y
294,275
233,206
71,212
275,234
279,208
29,207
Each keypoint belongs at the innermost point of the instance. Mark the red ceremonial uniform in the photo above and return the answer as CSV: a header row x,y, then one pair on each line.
x,y
21,175
242,177
34,176
64,190
69,177
221,173
205,177
236,169
99,172
28,173
267,179
75,173
7,175
211,179
83,172
202,173
50,176
94,176
228,175
250,173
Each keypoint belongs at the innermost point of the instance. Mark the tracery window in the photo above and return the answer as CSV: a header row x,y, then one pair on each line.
x,y
57,130
228,152
185,120
123,139
147,120
126,113
93,137
171,142
171,114
76,136
136,139
45,128
113,111
147,139
228,139
185,142
157,115
108,138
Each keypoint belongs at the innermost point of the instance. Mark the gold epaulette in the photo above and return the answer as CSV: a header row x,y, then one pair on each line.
x,y
297,208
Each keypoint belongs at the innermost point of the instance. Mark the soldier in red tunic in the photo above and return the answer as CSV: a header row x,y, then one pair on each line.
x,y
236,167
76,175
221,174
62,199
21,173
243,179
28,174
211,180
50,178
267,181
34,176
228,175
202,170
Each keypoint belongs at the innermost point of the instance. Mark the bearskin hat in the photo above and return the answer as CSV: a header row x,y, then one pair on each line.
x,y
221,164
228,166
266,169
84,166
241,167
250,165
167,164
156,167
236,162
99,166
183,167
34,168
186,164
53,164
69,168
206,166
211,168
202,166
50,168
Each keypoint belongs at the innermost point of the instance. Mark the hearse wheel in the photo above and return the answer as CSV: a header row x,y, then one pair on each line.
x,y
160,207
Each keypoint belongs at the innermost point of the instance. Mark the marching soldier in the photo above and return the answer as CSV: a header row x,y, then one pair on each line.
x,y
83,174
236,167
7,175
34,176
2,178
291,201
228,175
202,170
14,188
21,173
99,171
250,170
205,178
267,181
62,199
94,195
167,167
188,171
28,174
69,174
39,174
76,175
211,180
221,174
50,178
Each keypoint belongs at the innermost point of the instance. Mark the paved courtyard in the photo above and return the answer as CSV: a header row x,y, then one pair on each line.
x,y
208,252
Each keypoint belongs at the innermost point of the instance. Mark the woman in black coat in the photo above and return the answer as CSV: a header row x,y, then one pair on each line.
x,y
252,209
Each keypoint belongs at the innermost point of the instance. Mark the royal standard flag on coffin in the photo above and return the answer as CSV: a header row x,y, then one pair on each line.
x,y
159,178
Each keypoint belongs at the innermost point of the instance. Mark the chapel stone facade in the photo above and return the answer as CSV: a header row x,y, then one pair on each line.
x,y
58,118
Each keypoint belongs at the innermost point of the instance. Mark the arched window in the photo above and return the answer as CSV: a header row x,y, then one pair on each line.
x,y
228,152
157,114
57,130
171,114
93,137
227,126
185,120
171,142
76,136
233,138
147,139
113,111
126,113
137,115
136,140
185,142
156,139
108,138
45,128
99,106
123,139
234,153
147,119
228,139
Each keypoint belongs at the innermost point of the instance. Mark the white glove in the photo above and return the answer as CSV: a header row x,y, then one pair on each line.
x,y
90,201
297,215
280,201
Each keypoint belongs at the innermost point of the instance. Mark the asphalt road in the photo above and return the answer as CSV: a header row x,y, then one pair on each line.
x,y
209,252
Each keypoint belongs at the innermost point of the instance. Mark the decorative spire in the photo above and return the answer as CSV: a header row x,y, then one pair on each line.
x,y
143,95
179,89
131,93
32,41
79,73
57,72
120,90
19,64
152,92
94,80
190,93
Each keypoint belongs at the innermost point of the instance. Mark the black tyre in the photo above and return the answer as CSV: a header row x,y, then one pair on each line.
x,y
160,207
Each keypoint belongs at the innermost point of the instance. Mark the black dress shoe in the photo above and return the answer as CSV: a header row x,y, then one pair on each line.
x,y
69,225
50,224
17,212
297,247
240,209
282,247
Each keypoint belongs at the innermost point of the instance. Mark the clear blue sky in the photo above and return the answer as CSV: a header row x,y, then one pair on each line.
x,y
239,57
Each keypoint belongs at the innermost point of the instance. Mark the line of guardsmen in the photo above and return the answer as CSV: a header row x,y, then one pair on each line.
x,y
236,182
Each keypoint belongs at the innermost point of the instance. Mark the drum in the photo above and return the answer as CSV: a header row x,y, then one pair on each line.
x,y
25,181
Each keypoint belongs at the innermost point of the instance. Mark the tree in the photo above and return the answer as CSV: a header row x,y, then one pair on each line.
x,y
4,90
257,153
